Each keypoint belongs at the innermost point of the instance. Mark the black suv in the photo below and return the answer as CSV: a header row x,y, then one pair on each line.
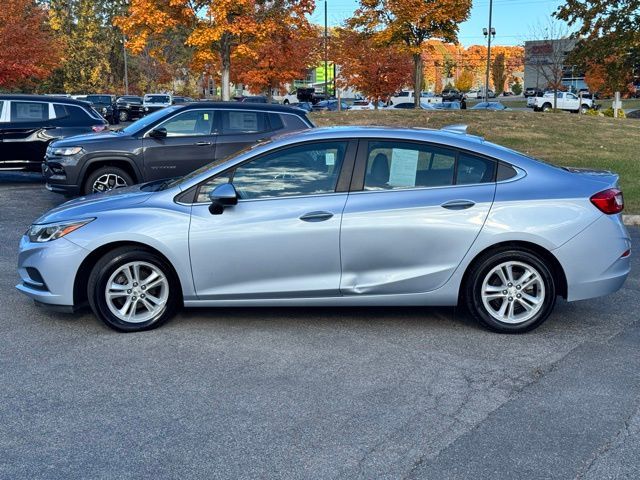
x,y
28,123
168,143
129,107
451,94
105,105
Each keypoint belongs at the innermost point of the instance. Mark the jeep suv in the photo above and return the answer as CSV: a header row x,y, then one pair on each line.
x,y
28,123
105,105
168,143
129,107
152,102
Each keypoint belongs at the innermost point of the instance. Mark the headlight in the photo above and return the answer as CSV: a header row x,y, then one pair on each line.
x,y
53,231
66,151
104,110
146,109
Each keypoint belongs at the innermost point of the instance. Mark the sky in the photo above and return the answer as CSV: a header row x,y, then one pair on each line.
x,y
512,19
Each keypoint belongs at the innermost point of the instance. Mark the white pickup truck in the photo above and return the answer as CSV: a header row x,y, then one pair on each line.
x,y
566,101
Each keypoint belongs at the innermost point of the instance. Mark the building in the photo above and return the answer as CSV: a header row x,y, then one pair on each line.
x,y
545,62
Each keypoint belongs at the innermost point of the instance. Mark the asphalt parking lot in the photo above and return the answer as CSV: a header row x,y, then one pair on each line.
x,y
313,393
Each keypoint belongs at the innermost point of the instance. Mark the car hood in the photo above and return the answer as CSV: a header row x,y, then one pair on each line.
x,y
92,205
89,138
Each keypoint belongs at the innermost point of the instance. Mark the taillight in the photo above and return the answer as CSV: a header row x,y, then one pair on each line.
x,y
609,201
98,128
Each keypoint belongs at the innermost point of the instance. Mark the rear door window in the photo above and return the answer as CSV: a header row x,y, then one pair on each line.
x,y
29,111
189,123
239,121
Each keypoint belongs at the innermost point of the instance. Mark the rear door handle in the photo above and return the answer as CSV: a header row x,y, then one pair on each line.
x,y
316,216
458,204
201,144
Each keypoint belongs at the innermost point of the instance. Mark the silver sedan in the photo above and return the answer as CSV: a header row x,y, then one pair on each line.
x,y
339,216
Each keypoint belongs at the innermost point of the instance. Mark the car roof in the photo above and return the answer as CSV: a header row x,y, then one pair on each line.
x,y
43,98
266,107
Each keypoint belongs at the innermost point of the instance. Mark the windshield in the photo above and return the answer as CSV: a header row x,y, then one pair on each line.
x,y
156,98
99,98
179,180
147,120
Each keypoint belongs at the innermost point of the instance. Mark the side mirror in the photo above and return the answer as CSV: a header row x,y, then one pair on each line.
x,y
158,133
222,196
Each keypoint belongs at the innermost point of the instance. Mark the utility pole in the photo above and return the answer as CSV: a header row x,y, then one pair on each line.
x,y
488,33
326,61
126,71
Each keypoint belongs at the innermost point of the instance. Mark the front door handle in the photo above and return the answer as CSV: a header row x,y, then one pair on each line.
x,y
316,216
201,144
458,204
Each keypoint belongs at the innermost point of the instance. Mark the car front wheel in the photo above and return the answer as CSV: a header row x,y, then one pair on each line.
x,y
131,289
105,179
123,115
510,291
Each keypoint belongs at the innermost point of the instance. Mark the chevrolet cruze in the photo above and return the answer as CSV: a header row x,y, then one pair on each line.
x,y
339,216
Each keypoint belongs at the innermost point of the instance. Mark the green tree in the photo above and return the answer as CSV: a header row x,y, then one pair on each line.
x,y
499,73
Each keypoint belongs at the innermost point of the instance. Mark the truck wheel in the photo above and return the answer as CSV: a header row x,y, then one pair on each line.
x,y
584,108
546,107
123,115
286,102
105,179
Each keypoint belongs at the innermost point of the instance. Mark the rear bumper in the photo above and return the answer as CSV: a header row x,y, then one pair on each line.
x,y
593,260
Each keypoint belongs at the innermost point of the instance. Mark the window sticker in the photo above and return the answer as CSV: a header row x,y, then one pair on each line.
x,y
404,165
206,116
330,158
247,121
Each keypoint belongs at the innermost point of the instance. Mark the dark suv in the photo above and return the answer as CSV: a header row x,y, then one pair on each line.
x,y
168,143
28,123
105,105
451,94
129,107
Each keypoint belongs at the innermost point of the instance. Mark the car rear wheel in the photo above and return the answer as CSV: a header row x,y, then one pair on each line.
x,y
105,179
510,291
123,115
546,107
131,289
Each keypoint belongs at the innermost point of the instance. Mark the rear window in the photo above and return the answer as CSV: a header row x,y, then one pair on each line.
x,y
238,121
29,111
71,114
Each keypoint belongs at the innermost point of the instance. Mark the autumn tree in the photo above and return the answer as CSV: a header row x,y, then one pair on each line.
x,y
216,29
373,69
498,73
411,23
29,51
608,34
465,80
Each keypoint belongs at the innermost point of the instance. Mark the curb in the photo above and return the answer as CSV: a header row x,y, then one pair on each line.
x,y
631,220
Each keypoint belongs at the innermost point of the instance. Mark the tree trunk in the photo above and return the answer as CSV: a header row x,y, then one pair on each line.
x,y
225,56
417,78
270,93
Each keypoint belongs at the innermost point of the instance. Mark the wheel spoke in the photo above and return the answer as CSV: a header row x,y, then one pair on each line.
x,y
150,278
118,287
125,308
510,310
509,273
503,277
531,299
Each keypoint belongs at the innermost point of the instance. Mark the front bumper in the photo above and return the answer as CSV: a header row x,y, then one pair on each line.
x,y
48,270
63,180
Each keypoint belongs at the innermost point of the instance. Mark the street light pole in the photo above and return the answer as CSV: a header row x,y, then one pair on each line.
x,y
326,62
488,33
126,70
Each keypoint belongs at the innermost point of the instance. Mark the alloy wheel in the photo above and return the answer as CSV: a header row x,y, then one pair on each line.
x,y
108,181
137,292
513,292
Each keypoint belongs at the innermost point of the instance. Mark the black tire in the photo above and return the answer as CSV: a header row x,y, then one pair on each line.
x,y
472,290
547,107
116,172
123,115
584,109
286,102
103,270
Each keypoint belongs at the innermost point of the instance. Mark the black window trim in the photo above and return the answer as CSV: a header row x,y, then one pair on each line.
x,y
359,172
189,196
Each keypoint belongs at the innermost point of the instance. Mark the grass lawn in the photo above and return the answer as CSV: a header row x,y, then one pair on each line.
x,y
558,138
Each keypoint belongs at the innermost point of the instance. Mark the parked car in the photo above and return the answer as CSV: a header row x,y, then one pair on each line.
x,y
531,100
29,123
565,101
507,93
152,102
330,106
366,105
181,100
356,216
167,143
106,106
450,94
480,94
252,99
447,106
129,107
496,106
407,96
532,92
411,106
306,106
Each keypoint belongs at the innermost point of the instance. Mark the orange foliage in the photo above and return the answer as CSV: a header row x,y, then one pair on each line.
x,y
29,51
373,69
